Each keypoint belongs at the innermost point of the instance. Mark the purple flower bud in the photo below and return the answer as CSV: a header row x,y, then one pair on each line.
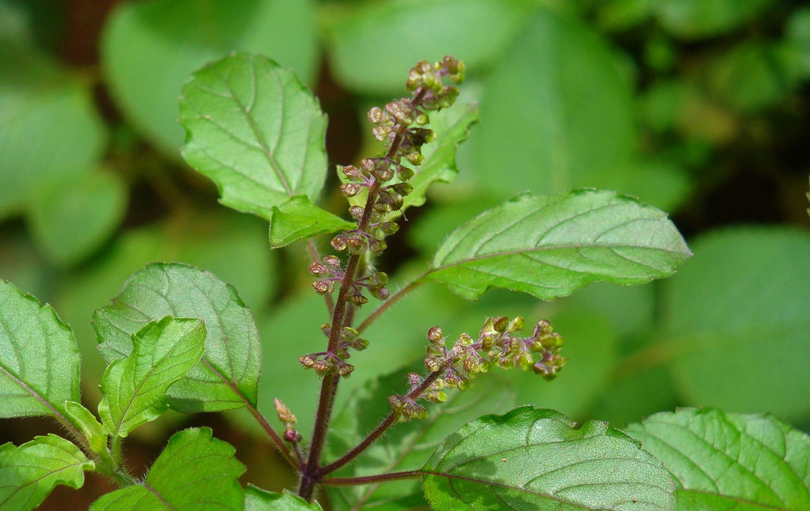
x,y
350,189
351,172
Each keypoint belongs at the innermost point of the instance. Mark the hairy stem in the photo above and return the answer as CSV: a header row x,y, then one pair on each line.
x,y
381,478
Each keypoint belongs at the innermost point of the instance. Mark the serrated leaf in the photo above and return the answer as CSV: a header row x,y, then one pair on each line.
x,y
30,472
39,360
735,322
534,459
87,423
227,375
195,471
406,446
257,499
299,219
255,130
150,48
382,36
549,246
725,461
695,19
70,219
135,388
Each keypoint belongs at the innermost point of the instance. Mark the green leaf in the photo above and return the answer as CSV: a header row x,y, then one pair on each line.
x,y
256,131
725,461
195,471
90,427
735,322
257,499
299,219
227,375
49,128
135,388
696,19
797,34
549,246
31,471
407,446
534,459
39,360
150,48
71,219
373,45
558,114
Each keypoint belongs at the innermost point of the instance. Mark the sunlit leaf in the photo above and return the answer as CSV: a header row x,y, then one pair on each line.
x,y
549,246
30,472
725,461
256,131
299,219
534,459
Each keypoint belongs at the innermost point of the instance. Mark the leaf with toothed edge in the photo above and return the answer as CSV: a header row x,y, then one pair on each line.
x,y
534,459
299,219
228,373
549,246
726,461
257,499
39,359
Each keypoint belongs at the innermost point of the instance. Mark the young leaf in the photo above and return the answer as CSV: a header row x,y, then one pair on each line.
x,y
549,246
257,499
256,131
728,461
534,459
30,472
407,446
149,49
87,423
135,388
298,219
39,360
195,471
227,375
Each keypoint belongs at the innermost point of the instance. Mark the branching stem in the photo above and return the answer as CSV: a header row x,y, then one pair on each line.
x,y
381,478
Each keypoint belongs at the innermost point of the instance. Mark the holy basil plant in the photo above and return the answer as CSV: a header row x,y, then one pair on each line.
x,y
177,337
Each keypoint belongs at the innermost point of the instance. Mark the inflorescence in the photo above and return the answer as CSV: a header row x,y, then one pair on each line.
x,y
497,345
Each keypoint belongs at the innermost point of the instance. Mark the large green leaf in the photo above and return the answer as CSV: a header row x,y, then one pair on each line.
x,y
257,499
694,19
150,48
39,360
71,219
49,129
135,387
549,246
558,114
29,473
735,321
195,471
407,446
725,461
256,131
534,459
227,376
374,45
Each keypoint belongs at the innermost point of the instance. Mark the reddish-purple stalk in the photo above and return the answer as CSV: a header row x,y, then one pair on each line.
x,y
380,478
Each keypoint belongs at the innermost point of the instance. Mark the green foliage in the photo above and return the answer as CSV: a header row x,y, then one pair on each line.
x,y
195,471
730,461
489,464
523,246
257,499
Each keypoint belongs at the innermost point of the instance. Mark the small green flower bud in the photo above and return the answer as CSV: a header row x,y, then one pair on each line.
x,y
402,188
377,247
339,242
384,173
500,324
433,364
323,286
350,189
359,344
381,132
351,172
375,115
435,334
389,228
345,370
321,367
317,269
356,245
358,299
416,158
404,173
464,340
368,163
413,410
543,327
397,403
381,293
356,212
422,119
332,261
307,361
516,325
552,341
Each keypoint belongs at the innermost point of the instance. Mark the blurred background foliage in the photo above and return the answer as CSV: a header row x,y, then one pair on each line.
x,y
699,107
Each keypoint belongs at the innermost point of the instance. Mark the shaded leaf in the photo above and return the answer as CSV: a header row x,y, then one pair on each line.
x,y
150,48
87,423
735,322
299,219
39,360
135,387
694,19
257,499
534,459
31,471
385,37
406,446
549,246
256,131
726,461
227,375
195,471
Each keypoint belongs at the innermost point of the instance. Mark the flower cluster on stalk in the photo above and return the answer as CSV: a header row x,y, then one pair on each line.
x,y
288,419
497,345
325,362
